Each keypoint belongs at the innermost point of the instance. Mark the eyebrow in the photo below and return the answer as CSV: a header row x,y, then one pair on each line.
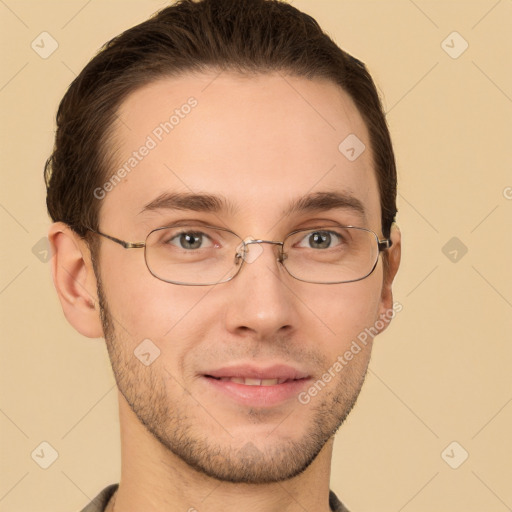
x,y
209,203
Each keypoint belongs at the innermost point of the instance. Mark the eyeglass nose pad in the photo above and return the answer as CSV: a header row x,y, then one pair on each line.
x,y
240,254
249,255
282,255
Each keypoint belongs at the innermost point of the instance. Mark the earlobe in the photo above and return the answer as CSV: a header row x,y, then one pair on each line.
x,y
74,280
390,270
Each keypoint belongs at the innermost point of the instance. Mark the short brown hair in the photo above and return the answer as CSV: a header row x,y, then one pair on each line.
x,y
250,36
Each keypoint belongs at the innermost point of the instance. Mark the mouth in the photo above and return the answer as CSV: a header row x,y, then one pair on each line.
x,y
251,382
256,386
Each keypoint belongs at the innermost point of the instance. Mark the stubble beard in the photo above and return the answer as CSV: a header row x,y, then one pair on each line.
x,y
241,461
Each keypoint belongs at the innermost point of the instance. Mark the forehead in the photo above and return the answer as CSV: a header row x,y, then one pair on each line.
x,y
259,141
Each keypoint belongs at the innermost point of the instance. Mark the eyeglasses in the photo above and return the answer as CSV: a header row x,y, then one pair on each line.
x,y
197,255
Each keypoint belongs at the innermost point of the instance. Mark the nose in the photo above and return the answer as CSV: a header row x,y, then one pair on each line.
x,y
261,301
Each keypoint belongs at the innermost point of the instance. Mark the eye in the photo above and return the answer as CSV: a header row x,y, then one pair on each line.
x,y
191,240
321,240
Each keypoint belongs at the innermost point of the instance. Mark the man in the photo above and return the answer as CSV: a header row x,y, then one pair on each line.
x,y
223,195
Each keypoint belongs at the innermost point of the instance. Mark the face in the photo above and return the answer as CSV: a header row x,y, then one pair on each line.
x,y
260,143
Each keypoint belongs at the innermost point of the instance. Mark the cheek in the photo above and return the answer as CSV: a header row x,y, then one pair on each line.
x,y
145,307
348,309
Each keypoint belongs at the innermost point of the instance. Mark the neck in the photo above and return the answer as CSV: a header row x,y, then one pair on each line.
x,y
153,479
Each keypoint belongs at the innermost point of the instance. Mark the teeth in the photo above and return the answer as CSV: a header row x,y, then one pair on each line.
x,y
269,382
254,382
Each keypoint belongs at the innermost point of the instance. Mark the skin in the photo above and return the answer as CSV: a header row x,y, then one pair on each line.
x,y
261,142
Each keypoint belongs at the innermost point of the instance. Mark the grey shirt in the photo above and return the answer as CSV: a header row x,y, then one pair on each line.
x,y
99,503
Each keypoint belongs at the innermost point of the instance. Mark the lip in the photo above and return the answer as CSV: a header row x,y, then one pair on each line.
x,y
262,396
276,371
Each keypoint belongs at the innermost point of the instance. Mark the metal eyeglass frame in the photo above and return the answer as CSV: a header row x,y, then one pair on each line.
x,y
382,245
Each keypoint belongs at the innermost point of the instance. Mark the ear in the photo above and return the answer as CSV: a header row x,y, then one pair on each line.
x,y
387,308
74,280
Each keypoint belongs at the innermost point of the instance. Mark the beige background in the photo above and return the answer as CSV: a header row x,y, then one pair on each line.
x,y
442,371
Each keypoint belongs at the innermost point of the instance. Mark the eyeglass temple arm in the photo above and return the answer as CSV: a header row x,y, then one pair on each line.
x,y
126,245
385,244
